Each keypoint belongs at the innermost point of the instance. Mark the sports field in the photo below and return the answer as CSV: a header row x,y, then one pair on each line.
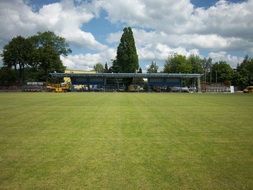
x,y
126,141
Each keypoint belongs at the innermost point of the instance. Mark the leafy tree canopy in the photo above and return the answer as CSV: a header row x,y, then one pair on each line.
x,y
17,55
222,72
244,75
177,64
99,68
49,39
196,64
39,54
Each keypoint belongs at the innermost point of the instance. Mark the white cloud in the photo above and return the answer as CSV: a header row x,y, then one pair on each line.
x,y
227,19
154,45
159,14
222,27
63,18
81,61
161,27
224,18
211,42
88,60
224,56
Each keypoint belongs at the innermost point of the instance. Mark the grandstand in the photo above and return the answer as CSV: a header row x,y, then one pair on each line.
x,y
115,81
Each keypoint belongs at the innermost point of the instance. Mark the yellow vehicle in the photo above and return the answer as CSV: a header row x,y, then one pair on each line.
x,y
63,87
249,89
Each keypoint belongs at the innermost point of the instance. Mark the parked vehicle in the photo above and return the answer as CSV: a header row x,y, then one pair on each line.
x,y
192,89
180,89
63,87
249,89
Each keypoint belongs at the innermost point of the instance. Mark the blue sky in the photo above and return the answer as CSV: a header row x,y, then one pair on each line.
x,y
222,30
208,3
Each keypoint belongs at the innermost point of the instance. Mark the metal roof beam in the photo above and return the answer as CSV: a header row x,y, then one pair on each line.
x,y
127,75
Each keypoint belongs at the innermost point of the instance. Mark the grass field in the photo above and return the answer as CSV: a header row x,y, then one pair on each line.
x,y
126,141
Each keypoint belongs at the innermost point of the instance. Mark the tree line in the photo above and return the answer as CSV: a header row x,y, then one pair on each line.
x,y
32,58
219,72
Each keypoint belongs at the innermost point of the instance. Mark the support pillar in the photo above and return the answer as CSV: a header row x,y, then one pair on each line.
x,y
198,85
88,81
117,81
104,84
180,84
149,87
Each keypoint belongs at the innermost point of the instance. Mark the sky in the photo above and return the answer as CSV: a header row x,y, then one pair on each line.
x,y
221,30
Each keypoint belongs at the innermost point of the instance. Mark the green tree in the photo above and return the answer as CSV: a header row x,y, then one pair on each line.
x,y
222,72
196,63
153,68
49,39
177,64
106,70
49,61
99,68
244,73
17,54
46,55
7,76
127,58
38,54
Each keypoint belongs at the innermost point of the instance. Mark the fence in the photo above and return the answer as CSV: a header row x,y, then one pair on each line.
x,y
217,88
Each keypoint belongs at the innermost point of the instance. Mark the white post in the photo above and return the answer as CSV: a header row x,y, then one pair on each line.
x,y
199,85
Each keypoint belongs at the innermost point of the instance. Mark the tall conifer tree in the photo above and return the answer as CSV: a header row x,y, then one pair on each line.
x,y
127,58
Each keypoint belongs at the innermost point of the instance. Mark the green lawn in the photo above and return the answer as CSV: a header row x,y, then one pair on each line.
x,y
126,141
